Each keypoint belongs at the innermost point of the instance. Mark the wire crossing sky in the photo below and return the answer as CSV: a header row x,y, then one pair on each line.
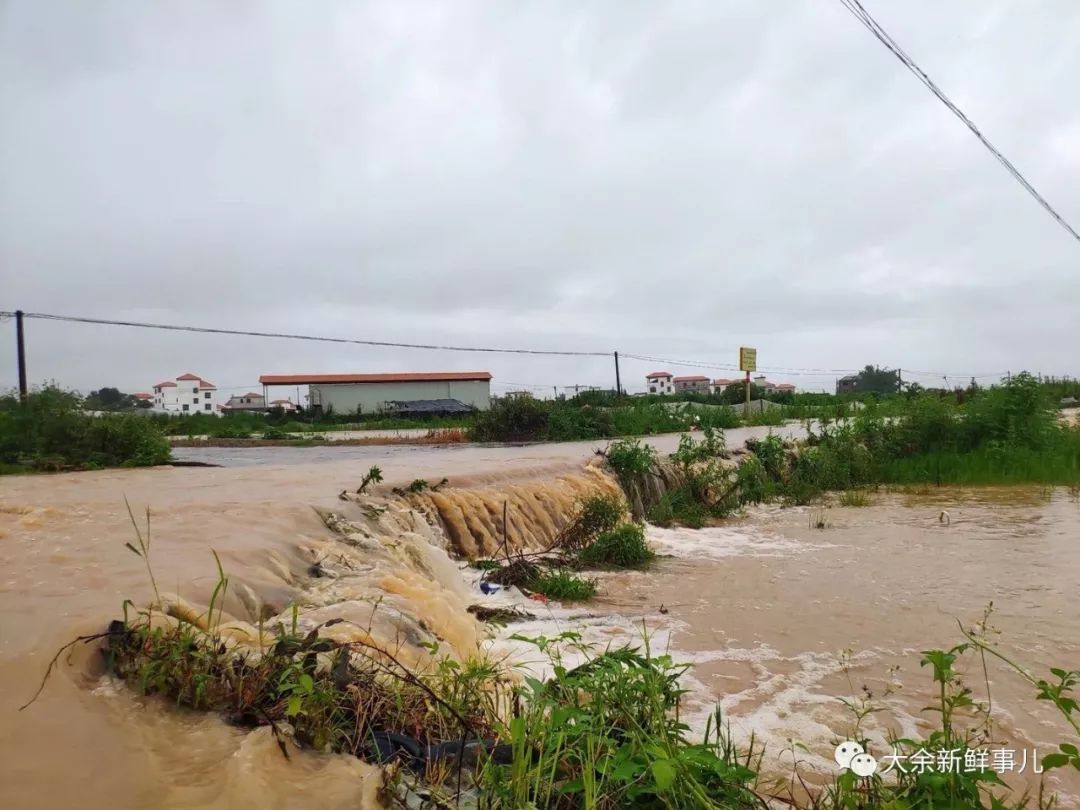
x,y
863,16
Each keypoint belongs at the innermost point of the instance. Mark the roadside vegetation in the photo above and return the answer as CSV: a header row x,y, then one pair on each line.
x,y
50,432
1008,434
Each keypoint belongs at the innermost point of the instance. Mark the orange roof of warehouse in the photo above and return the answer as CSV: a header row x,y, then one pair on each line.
x,y
411,376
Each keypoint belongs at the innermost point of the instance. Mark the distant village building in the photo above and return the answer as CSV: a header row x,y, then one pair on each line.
x,y
381,393
848,384
245,402
659,382
286,405
769,388
188,393
691,385
718,385
144,397
518,395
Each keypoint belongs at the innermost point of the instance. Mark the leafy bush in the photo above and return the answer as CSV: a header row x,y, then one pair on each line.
x,y
585,422
512,419
596,514
630,458
50,431
679,506
624,547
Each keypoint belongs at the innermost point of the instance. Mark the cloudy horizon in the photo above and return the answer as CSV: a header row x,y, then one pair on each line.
x,y
665,180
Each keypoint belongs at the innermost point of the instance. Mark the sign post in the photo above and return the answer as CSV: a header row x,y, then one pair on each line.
x,y
747,363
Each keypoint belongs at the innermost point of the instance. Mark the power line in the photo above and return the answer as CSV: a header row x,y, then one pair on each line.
x,y
872,25
806,372
810,372
287,336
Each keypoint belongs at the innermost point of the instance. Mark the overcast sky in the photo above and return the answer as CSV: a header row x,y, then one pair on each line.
x,y
666,179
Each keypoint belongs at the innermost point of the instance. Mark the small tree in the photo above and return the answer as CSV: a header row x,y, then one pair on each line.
x,y
874,379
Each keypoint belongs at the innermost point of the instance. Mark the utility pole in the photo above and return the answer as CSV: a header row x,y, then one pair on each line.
x,y
20,344
899,382
618,383
747,394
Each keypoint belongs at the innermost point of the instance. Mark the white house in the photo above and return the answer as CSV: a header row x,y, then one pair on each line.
x,y
769,388
286,405
659,382
250,401
188,393
718,385
693,384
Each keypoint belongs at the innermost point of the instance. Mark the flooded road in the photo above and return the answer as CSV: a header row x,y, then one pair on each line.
x,y
763,604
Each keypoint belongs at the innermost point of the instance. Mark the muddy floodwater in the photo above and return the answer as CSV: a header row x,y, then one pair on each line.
x,y
763,605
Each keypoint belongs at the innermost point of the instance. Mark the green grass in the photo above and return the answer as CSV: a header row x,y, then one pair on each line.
x,y
1059,465
854,497
623,547
564,585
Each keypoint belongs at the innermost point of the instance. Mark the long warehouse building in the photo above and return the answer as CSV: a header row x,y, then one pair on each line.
x,y
378,393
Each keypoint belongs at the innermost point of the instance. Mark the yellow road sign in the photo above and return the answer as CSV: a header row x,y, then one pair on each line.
x,y
747,359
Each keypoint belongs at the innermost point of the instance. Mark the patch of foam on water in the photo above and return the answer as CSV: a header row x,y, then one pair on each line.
x,y
718,542
787,702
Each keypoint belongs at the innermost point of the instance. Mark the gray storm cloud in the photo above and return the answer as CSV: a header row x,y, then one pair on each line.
x,y
672,180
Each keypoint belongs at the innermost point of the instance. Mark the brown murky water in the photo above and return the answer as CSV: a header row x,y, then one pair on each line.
x,y
767,606
764,605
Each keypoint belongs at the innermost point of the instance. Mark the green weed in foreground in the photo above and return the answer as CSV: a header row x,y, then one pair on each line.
x,y
607,734
564,585
623,547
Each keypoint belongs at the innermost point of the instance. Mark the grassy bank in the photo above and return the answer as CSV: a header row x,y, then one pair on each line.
x,y
50,432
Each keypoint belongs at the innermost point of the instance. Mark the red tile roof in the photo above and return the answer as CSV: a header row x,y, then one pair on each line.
x,y
189,376
165,384
722,381
786,386
411,376
654,374
691,379
141,395
281,402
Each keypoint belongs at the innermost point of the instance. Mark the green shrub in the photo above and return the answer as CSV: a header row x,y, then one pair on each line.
x,y
512,419
595,514
564,585
50,431
624,547
679,506
754,483
630,458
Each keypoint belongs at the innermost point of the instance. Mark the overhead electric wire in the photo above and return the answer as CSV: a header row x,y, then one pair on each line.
x,y
872,25
287,336
725,367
